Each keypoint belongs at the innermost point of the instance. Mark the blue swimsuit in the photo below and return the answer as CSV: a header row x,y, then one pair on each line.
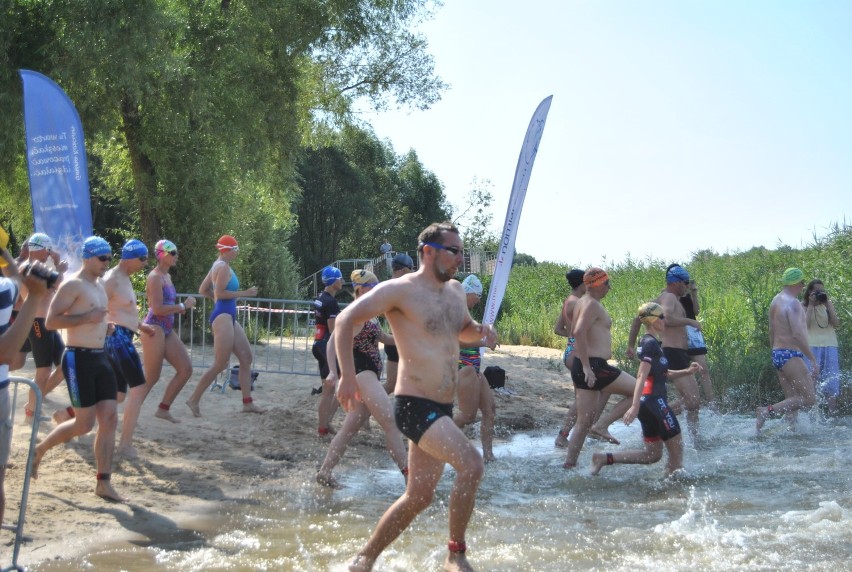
x,y
227,306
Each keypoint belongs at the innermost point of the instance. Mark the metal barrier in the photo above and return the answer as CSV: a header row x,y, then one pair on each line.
x,y
25,489
280,333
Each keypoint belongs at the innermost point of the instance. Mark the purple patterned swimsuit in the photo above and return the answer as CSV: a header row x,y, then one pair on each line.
x,y
167,323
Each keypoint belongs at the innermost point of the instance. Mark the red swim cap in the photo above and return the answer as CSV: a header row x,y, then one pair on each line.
x,y
226,242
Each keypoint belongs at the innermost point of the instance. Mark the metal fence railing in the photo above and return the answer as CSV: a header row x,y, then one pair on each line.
x,y
280,333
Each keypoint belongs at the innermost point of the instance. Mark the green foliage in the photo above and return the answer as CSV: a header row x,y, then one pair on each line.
x,y
735,291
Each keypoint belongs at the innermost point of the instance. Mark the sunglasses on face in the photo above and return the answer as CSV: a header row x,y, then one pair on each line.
x,y
454,250
105,258
143,259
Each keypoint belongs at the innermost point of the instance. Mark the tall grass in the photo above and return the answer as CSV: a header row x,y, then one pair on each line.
x,y
735,291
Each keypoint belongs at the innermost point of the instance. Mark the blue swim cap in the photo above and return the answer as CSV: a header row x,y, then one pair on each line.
x,y
676,274
330,275
95,246
133,248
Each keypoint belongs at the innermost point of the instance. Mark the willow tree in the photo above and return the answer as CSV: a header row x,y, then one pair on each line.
x,y
195,112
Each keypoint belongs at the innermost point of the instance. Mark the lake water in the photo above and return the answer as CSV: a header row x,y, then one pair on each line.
x,y
780,502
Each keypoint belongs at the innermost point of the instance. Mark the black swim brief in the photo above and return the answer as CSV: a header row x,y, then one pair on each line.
x,y
678,358
604,373
414,415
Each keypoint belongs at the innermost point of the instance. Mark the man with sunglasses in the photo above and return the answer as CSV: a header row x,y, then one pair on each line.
x,y
429,317
80,308
675,342
123,316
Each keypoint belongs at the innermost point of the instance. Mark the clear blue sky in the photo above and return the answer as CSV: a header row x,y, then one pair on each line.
x,y
675,126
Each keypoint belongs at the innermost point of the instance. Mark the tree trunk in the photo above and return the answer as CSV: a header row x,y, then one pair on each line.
x,y
144,179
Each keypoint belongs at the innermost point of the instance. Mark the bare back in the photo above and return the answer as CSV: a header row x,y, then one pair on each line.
x,y
674,335
787,325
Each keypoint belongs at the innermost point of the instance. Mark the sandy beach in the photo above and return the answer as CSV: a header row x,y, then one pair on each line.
x,y
189,473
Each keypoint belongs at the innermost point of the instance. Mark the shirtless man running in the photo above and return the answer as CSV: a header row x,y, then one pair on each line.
x,y
123,313
590,371
788,335
675,342
80,308
429,317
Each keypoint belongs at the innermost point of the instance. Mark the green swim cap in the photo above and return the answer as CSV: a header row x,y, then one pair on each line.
x,y
792,276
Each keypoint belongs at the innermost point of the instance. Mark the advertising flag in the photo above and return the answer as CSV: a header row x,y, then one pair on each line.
x,y
516,202
56,162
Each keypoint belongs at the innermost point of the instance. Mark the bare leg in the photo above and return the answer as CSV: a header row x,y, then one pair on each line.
x,y
706,382
129,419
600,430
177,356
798,389
691,399
223,345
652,453
570,420
82,423
351,424
489,412
327,406
442,443
242,349
104,447
587,402
390,382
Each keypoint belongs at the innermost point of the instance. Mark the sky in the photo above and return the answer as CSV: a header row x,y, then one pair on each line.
x,y
676,126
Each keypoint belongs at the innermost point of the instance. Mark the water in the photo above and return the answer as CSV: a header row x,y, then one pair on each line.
x,y
781,502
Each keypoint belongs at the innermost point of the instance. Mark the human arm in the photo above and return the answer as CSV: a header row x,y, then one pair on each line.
x,y
561,328
669,303
693,368
57,315
631,338
583,318
641,377
693,295
13,338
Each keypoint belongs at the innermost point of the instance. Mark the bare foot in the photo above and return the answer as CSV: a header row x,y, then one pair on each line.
x,y
561,439
457,562
762,414
104,490
193,406
126,452
603,435
164,414
361,564
328,481
598,461
252,408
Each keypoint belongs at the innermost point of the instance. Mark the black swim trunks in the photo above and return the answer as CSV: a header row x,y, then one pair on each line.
x,y
677,357
46,344
604,373
124,359
89,376
414,415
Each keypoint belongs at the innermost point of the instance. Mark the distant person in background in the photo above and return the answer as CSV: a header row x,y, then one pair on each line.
x,y
326,310
822,322
696,345
401,265
788,336
229,337
659,424
46,344
386,249
12,335
473,390
20,359
164,343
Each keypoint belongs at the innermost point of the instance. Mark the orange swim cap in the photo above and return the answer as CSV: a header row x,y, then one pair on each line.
x,y
595,277
227,242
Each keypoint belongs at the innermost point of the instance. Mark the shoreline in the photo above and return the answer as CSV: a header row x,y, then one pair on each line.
x,y
190,475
